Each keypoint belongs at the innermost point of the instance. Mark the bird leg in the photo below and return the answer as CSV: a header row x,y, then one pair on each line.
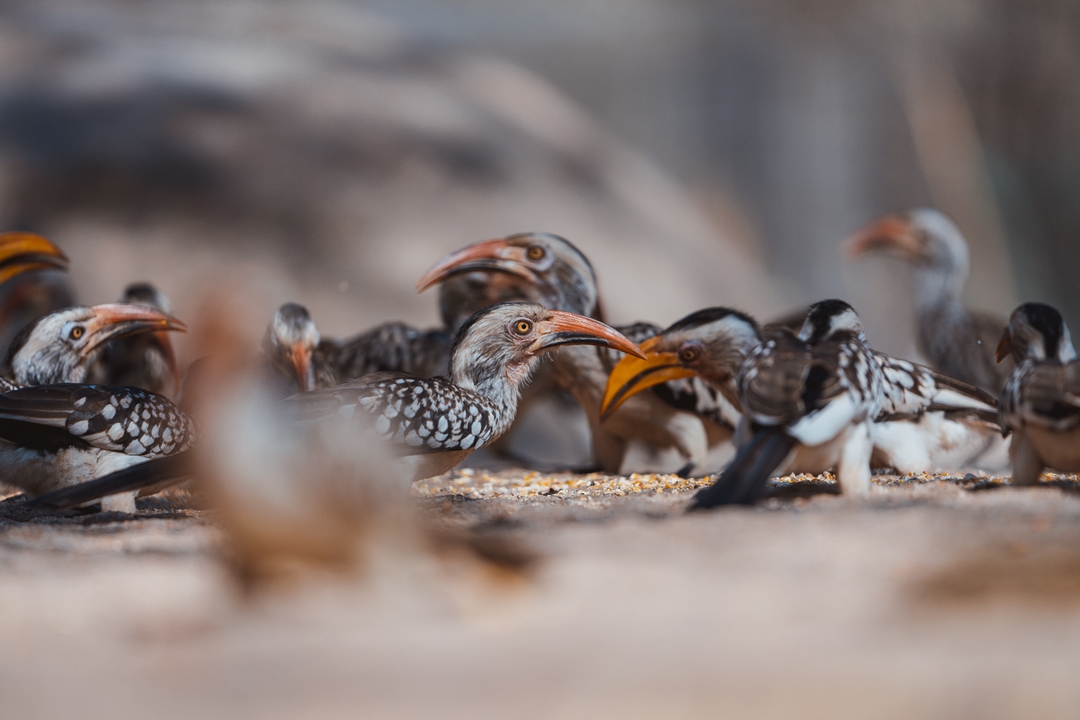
x,y
853,470
1026,463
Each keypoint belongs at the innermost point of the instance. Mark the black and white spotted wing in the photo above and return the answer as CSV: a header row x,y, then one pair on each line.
x,y
120,419
416,415
911,390
1042,394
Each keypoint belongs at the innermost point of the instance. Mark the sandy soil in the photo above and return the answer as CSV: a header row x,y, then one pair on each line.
x,y
936,598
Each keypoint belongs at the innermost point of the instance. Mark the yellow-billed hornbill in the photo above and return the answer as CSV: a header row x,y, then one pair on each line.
x,y
954,340
26,295
927,422
429,425
145,360
294,354
1040,403
808,401
56,432
555,273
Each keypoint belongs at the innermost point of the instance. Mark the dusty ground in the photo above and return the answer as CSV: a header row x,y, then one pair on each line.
x,y
937,598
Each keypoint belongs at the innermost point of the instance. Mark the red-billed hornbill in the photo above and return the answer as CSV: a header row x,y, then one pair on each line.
x,y
1040,403
434,423
808,401
927,422
429,425
146,360
553,272
56,432
955,341
293,352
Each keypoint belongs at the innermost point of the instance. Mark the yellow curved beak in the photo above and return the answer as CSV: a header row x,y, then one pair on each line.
x,y
632,375
22,252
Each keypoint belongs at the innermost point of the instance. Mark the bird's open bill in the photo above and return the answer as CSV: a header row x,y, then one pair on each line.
x,y
22,252
565,328
1004,348
490,255
633,374
893,231
117,320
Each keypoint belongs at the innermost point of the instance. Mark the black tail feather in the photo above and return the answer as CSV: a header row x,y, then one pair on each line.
x,y
137,477
744,480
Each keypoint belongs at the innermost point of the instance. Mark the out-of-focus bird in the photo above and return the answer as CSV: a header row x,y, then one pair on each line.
x,y
428,425
294,356
1040,403
145,360
808,403
927,422
32,283
955,341
643,432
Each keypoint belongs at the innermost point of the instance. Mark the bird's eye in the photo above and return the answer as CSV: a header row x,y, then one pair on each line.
x,y
76,332
535,252
688,354
523,327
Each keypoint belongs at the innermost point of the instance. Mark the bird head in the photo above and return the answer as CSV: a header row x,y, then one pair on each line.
x,y
500,345
289,343
1036,332
59,347
532,267
148,295
828,318
22,252
925,237
710,344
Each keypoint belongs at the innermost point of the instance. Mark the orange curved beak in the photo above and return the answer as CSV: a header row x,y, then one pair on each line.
x,y
118,320
1004,348
490,256
634,374
566,328
891,232
22,252
301,361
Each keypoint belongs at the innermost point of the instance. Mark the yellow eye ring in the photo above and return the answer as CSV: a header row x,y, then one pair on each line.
x,y
523,327
535,252
77,332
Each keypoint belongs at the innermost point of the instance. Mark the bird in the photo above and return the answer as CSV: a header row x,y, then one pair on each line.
x,y
808,401
1040,403
434,423
55,430
428,425
294,356
62,347
957,342
927,421
646,431
32,283
146,360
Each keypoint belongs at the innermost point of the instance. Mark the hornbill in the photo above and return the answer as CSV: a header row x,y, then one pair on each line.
x,y
954,340
553,272
429,425
28,295
1040,403
145,360
927,421
56,432
808,401
294,356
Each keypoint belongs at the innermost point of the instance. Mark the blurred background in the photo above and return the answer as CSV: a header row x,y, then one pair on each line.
x,y
699,152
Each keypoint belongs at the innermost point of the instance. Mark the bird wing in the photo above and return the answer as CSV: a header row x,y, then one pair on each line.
x,y
1049,396
911,390
155,472
772,381
415,415
120,419
391,347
